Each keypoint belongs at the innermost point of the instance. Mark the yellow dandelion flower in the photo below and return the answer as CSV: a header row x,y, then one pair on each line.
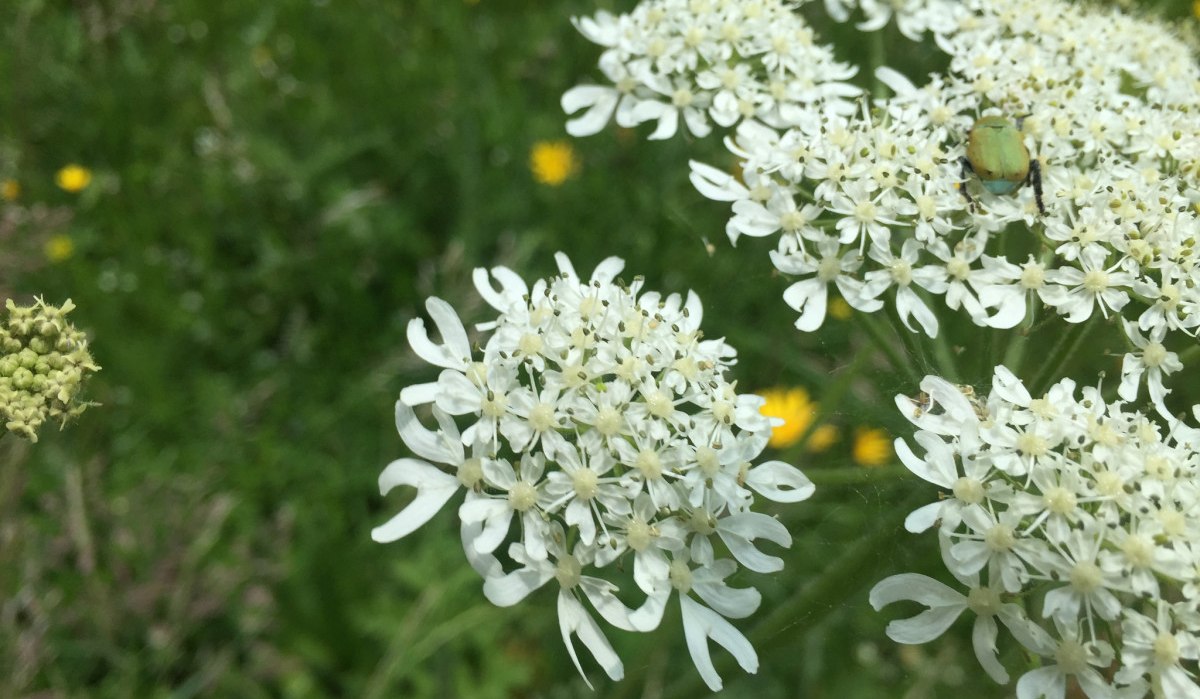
x,y
59,247
872,446
73,178
822,438
10,190
552,162
797,411
839,309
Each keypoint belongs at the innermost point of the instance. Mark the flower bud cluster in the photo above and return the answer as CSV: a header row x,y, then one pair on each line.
x,y
1071,507
598,419
43,363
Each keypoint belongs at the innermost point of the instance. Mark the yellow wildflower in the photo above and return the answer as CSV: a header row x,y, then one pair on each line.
x,y
552,162
73,178
839,309
10,190
822,438
872,446
1196,9
59,247
797,411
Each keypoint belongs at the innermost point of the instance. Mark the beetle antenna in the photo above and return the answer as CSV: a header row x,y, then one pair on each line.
x,y
1035,178
967,171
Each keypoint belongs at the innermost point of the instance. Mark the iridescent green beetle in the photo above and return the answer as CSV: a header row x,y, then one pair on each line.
x,y
996,154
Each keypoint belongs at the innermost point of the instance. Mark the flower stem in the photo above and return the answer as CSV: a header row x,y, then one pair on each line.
x,y
1190,354
876,57
1015,353
1068,344
947,362
834,393
878,335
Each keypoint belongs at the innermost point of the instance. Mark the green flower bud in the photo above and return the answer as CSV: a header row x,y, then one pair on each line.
x,y
44,361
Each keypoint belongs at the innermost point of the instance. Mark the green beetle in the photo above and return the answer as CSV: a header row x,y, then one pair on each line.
x,y
996,154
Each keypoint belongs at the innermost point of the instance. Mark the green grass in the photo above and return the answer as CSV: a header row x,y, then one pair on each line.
x,y
278,186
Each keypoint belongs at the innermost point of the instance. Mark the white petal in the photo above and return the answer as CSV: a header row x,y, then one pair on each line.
x,y
781,482
1131,376
485,564
732,602
607,270
923,517
579,514
600,594
455,351
1176,683
738,531
916,588
599,101
444,447
651,570
604,28
701,623
420,394
534,531
507,590
1042,682
983,640
922,468
697,122
1009,387
908,304
434,488
495,529
456,394
899,84
648,616
924,627
716,184
574,619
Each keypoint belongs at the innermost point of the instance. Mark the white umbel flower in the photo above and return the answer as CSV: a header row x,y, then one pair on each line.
x,y
594,431
707,63
1117,161
1074,503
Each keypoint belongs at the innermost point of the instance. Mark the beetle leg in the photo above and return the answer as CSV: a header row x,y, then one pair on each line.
x,y
1035,178
967,171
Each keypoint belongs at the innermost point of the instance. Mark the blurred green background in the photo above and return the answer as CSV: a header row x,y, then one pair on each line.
x,y
275,188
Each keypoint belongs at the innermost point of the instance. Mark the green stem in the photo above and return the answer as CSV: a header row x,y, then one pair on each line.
x,y
912,345
1016,350
947,363
1015,353
834,393
877,58
1189,355
1068,344
875,330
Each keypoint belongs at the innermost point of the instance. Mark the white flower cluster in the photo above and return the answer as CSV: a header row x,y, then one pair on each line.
x,y
707,61
913,17
1070,507
597,417
872,202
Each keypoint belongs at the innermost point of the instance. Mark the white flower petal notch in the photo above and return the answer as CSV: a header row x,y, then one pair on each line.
x,y
1079,503
593,430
